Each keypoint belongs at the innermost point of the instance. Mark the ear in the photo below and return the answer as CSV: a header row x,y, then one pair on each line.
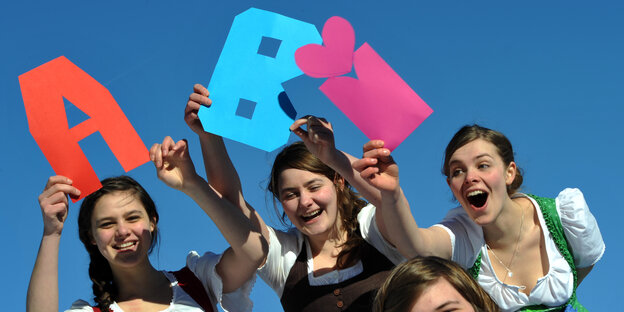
x,y
152,225
448,182
339,182
510,173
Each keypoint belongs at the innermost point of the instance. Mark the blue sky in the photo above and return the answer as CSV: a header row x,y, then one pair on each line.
x,y
547,74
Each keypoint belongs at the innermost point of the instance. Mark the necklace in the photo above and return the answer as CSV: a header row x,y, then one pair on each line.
x,y
508,268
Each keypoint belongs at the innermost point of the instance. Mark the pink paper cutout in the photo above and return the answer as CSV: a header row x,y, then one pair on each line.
x,y
334,57
379,102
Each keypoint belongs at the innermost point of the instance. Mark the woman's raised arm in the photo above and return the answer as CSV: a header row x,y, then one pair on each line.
x,y
248,246
379,169
43,288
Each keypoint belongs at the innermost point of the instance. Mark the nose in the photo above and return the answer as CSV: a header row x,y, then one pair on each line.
x,y
471,177
122,230
305,199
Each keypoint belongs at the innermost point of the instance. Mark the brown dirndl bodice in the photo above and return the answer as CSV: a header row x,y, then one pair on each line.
x,y
354,294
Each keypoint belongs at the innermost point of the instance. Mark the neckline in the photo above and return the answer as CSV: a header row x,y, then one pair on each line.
x,y
542,224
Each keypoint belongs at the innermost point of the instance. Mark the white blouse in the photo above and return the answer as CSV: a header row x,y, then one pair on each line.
x,y
284,248
204,268
553,289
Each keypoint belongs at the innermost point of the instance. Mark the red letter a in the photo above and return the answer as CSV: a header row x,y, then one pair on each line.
x,y
43,89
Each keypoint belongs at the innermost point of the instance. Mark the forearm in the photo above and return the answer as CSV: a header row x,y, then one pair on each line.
x,y
220,171
43,292
242,227
403,232
341,162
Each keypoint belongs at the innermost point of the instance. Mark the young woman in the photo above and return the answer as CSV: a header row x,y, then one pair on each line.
x,y
335,256
429,284
526,251
118,225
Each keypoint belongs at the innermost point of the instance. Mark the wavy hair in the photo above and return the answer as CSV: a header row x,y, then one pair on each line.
x,y
297,156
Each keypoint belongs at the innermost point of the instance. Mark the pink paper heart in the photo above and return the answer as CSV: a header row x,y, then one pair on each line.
x,y
334,57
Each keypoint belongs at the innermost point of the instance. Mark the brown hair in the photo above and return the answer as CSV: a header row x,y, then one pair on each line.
x,y
408,280
297,156
470,133
104,288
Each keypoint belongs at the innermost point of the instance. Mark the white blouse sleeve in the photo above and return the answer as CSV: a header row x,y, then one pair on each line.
x,y
580,227
80,306
466,236
370,233
204,268
284,247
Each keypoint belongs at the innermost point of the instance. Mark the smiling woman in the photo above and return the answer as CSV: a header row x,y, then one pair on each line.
x,y
335,256
118,226
527,252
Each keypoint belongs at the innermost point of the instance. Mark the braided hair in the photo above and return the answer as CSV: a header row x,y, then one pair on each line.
x,y
104,289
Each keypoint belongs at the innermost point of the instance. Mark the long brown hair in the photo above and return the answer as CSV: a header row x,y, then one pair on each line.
x,y
408,281
104,288
470,133
297,156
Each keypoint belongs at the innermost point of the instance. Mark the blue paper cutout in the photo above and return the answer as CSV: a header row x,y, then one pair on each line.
x,y
242,73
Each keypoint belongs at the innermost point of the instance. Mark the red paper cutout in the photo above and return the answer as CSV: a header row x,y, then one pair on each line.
x,y
43,89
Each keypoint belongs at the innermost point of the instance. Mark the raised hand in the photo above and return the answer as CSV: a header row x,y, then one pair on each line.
x,y
54,203
319,137
198,98
377,167
173,163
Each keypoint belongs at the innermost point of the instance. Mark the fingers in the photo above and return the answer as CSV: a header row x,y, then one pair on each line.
x,y
167,145
156,155
372,144
180,146
318,129
59,184
197,98
361,164
53,200
200,89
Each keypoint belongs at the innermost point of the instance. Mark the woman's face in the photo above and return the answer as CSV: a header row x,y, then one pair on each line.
x,y
441,296
309,200
478,178
121,229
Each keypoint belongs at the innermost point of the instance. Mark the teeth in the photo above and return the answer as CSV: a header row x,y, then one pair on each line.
x,y
309,214
125,245
473,193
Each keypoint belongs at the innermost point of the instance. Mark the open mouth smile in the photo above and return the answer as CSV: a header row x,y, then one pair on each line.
x,y
477,198
125,246
311,215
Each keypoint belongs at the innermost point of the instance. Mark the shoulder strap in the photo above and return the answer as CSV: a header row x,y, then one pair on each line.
x,y
548,207
194,287
474,270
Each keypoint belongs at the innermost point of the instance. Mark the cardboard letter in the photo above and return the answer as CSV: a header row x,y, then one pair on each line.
x,y
242,73
43,90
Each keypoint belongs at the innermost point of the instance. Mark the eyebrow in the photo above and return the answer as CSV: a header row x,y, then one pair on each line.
x,y
443,305
315,180
98,221
454,161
